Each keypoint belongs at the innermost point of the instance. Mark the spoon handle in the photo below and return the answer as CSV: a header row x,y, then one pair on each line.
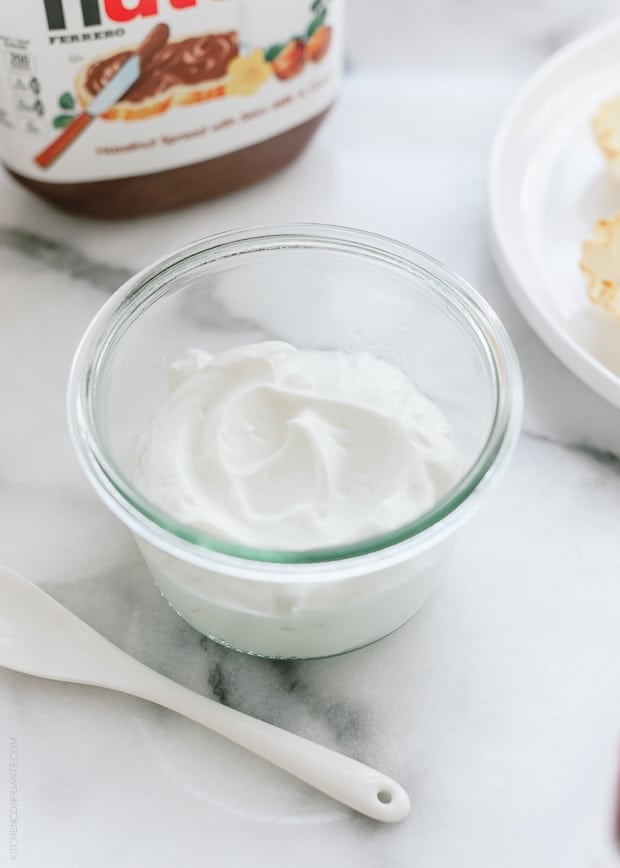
x,y
348,781
40,637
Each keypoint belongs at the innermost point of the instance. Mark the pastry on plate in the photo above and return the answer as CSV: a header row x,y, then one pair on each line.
x,y
600,262
606,127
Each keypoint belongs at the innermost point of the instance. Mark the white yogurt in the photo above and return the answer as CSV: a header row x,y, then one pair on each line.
x,y
280,448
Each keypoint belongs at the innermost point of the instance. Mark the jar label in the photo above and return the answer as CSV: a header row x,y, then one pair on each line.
x,y
102,89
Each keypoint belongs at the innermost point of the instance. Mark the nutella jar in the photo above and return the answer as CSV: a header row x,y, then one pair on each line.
x,y
118,108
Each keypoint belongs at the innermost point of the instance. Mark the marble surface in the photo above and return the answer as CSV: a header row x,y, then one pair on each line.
x,y
498,706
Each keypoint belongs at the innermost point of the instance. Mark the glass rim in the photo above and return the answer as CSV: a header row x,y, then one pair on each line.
x,y
148,285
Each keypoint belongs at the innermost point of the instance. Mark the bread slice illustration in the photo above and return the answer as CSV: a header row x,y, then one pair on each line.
x,y
185,72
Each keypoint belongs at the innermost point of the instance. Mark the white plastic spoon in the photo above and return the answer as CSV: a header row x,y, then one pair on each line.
x,y
40,637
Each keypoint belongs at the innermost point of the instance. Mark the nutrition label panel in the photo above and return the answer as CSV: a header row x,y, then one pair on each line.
x,y
23,107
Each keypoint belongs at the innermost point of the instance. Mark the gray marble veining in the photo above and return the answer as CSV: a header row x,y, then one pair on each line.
x,y
62,258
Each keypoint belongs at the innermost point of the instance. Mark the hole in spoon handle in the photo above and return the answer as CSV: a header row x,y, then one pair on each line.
x,y
385,800
367,791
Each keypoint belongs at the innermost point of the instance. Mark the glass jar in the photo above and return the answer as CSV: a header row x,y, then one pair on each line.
x,y
316,287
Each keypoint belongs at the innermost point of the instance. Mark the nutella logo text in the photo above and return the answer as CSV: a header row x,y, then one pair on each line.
x,y
118,11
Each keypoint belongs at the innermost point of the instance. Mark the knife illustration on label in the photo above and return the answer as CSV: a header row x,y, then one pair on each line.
x,y
116,88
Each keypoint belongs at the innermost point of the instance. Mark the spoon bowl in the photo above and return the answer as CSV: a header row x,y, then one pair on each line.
x,y
40,637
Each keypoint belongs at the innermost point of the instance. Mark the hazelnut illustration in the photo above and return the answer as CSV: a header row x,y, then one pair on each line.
x,y
290,61
318,44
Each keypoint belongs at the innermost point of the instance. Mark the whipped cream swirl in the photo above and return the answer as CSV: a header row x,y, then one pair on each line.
x,y
279,448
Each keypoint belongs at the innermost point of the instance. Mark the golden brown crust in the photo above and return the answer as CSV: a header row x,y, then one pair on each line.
x,y
180,95
601,265
606,128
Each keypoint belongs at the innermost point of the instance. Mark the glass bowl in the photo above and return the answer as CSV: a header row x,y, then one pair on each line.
x,y
316,287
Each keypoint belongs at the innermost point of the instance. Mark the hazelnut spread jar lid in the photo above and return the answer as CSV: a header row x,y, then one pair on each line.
x,y
123,107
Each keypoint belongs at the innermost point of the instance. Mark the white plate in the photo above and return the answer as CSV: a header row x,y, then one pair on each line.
x,y
548,185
